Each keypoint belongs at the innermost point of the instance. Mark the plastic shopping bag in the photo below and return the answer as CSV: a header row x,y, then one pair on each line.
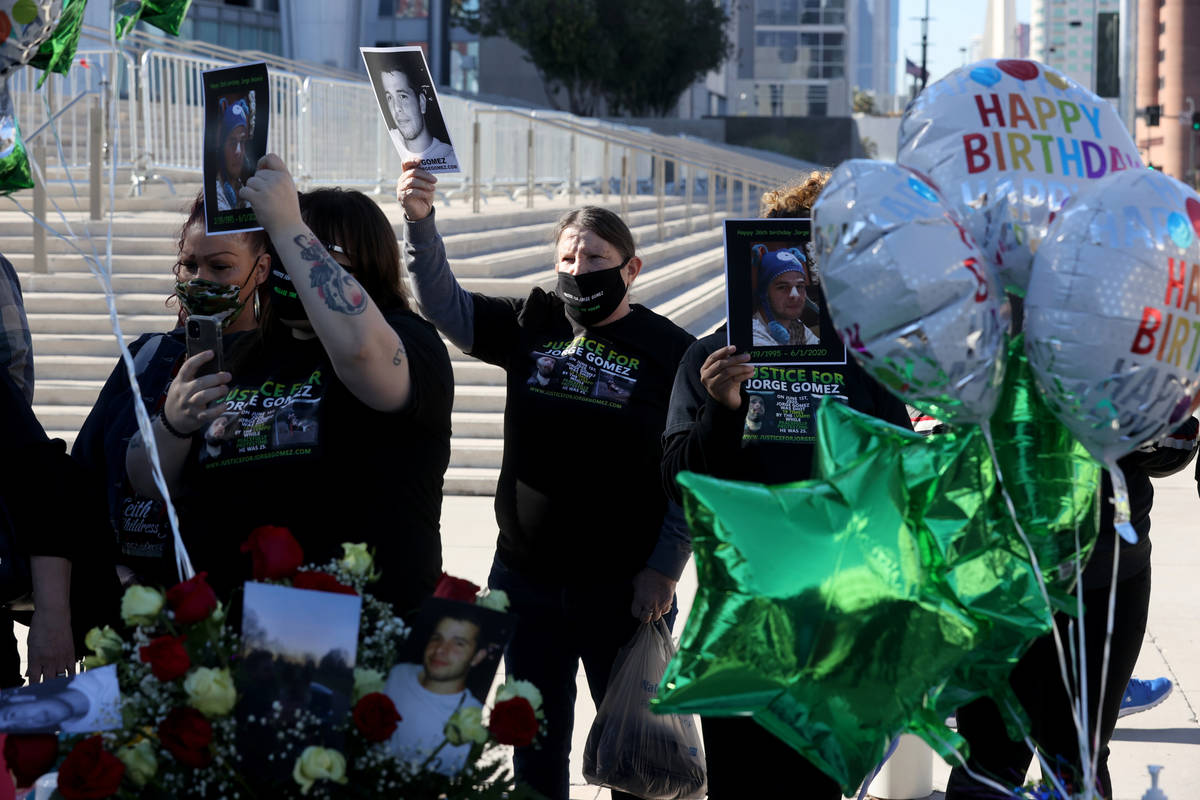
x,y
630,748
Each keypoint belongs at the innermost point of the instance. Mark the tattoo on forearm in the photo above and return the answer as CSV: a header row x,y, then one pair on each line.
x,y
401,354
336,287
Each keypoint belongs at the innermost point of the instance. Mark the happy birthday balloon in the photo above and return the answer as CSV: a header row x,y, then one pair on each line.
x,y
1113,315
24,27
1011,141
908,290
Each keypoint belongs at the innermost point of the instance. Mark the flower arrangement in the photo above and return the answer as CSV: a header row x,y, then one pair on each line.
x,y
182,735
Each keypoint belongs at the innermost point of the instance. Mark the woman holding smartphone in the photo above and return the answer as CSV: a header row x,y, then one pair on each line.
x,y
338,418
219,276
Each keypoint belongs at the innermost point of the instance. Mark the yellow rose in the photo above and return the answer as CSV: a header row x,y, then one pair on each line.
x,y
466,725
106,645
140,763
357,560
367,681
141,605
495,599
318,764
210,691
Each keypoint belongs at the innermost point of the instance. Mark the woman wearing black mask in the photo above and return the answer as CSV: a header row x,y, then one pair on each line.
x,y
587,549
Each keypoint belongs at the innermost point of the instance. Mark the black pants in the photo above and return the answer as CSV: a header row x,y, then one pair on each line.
x,y
557,628
746,762
1038,684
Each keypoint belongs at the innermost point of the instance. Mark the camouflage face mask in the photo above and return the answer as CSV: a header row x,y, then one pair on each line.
x,y
210,299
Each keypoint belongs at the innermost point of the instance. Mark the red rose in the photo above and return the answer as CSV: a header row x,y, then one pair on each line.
x,y
167,657
89,771
321,582
452,588
193,600
276,553
30,755
513,722
187,734
375,716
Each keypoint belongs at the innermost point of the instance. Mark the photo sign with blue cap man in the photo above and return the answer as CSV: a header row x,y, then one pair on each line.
x,y
776,313
236,110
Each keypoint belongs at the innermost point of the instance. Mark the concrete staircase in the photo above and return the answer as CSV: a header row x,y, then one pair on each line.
x,y
504,251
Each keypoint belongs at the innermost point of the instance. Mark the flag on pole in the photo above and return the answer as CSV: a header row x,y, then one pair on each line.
x,y
913,69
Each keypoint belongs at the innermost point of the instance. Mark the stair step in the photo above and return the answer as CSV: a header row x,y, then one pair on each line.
x,y
474,452
93,323
471,481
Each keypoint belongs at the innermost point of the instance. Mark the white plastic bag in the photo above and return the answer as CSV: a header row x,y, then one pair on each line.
x,y
632,749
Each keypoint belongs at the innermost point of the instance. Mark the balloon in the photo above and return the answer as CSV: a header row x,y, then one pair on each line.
x,y
14,164
1011,140
909,292
1113,315
29,25
56,53
166,15
878,597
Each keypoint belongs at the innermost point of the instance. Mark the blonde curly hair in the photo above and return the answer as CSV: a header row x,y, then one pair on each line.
x,y
794,199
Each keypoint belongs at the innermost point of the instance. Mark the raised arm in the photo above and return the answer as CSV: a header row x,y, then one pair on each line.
x,y
367,353
443,301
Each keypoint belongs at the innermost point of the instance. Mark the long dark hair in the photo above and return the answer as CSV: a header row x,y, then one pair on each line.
x,y
355,222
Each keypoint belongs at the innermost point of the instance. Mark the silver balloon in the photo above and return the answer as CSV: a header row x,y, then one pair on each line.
x,y
916,304
1009,141
24,26
1112,316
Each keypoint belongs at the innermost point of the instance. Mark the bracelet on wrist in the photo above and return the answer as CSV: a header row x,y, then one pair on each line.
x,y
171,429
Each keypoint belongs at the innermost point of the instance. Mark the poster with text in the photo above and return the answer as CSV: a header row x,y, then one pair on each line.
x,y
237,109
409,105
771,293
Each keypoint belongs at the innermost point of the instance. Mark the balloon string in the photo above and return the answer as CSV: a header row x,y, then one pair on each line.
x,y
102,270
891,751
946,746
1037,572
1108,631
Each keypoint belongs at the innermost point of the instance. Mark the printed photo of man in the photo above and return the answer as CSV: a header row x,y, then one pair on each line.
x,y
428,692
544,368
756,412
410,108
782,298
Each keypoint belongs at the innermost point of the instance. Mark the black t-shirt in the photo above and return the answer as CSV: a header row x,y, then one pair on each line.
x,y
298,450
139,523
706,437
579,494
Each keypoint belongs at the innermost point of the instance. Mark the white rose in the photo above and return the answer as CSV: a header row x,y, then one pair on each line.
x,y
318,764
140,762
466,725
367,681
513,688
495,599
210,691
357,560
141,605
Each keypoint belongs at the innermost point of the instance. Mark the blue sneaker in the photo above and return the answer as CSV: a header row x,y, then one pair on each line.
x,y
1142,695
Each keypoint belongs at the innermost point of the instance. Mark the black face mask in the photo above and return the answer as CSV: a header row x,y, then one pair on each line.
x,y
283,297
593,296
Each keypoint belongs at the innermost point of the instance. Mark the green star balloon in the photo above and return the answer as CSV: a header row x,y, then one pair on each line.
x,y
878,597
166,15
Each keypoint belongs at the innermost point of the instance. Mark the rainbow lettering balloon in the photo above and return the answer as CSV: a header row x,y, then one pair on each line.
x,y
1011,141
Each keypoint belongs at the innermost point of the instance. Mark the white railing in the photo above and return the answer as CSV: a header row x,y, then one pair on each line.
x,y
328,129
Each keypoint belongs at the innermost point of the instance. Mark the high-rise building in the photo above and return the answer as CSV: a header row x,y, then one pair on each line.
x,y
877,25
1000,29
793,58
1065,35
1168,76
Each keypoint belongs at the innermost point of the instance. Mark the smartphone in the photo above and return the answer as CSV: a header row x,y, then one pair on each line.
x,y
204,333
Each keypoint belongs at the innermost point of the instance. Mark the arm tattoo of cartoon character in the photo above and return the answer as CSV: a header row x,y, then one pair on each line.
x,y
336,287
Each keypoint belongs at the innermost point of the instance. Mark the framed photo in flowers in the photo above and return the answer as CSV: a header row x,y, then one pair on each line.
x,y
448,666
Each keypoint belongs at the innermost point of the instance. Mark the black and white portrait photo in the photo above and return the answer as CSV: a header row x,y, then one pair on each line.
x,y
409,105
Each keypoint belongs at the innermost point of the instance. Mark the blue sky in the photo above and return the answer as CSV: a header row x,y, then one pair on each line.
x,y
952,24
